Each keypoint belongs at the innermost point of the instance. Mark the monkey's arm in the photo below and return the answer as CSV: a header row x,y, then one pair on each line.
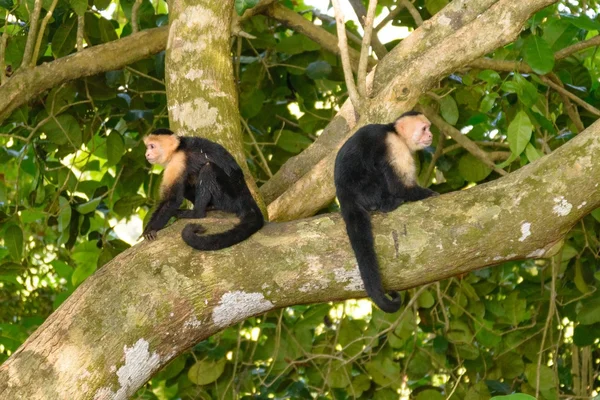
x,y
167,208
417,192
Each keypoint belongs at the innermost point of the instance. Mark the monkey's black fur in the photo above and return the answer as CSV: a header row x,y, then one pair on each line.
x,y
212,179
365,181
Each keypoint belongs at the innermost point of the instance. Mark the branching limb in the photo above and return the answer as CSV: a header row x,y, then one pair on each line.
x,y
562,91
134,16
361,14
413,11
80,30
361,78
32,35
343,45
43,25
197,294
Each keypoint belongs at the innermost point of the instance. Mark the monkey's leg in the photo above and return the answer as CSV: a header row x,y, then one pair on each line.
x,y
206,182
166,209
416,193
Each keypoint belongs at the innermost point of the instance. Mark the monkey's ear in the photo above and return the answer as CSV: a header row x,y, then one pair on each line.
x,y
400,126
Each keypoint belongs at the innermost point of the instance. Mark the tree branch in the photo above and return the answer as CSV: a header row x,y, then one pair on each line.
x,y
42,29
343,45
413,11
361,14
455,15
315,189
94,347
32,35
361,77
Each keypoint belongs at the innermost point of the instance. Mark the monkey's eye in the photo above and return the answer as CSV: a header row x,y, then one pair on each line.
x,y
424,128
151,146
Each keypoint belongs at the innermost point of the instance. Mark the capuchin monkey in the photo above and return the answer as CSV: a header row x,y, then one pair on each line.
x,y
375,171
207,175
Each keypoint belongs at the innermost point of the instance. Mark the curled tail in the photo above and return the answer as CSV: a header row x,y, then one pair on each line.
x,y
249,224
358,226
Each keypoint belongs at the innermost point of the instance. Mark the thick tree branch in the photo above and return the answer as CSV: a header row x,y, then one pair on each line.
x,y
315,189
455,15
28,83
96,347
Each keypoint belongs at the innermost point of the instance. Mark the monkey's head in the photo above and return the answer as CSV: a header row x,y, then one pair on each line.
x,y
414,128
160,146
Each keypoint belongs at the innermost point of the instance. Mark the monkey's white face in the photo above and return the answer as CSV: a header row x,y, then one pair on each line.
x,y
160,148
154,152
416,131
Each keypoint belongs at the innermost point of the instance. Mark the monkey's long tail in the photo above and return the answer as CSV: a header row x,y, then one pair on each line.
x,y
249,224
358,226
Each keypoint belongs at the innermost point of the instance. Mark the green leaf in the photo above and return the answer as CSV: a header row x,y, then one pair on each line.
x,y
538,54
107,30
64,214
293,142
79,6
426,299
296,44
62,130
13,240
62,269
519,132
532,153
318,70
449,109
433,6
339,374
65,37
589,313
243,5
89,206
527,92
515,396
251,103
582,22
383,370
489,76
205,372
430,394
114,148
473,169
546,376
7,4
86,257
488,102
125,205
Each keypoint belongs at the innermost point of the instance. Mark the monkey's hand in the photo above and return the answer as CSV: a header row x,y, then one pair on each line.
x,y
149,235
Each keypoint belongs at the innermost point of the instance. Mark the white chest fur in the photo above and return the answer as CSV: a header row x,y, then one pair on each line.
x,y
401,159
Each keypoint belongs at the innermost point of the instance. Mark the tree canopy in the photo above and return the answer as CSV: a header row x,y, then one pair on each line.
x,y
501,271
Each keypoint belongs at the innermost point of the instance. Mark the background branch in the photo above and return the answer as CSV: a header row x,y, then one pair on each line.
x,y
343,45
32,35
361,78
361,14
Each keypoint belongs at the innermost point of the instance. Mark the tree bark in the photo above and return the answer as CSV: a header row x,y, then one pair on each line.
x,y
158,299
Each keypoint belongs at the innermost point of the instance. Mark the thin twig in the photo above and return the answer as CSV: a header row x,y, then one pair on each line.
x,y
31,37
439,150
80,29
3,41
447,129
343,45
134,13
390,17
361,14
135,71
38,43
361,78
263,160
551,307
413,11
571,96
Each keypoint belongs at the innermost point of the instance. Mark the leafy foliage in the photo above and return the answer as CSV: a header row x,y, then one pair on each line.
x,y
74,176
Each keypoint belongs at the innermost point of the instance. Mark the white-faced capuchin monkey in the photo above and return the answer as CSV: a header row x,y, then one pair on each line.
x,y
206,174
375,171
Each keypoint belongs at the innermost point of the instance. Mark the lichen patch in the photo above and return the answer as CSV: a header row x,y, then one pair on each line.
x,y
539,253
236,306
195,115
525,231
351,276
562,207
139,366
